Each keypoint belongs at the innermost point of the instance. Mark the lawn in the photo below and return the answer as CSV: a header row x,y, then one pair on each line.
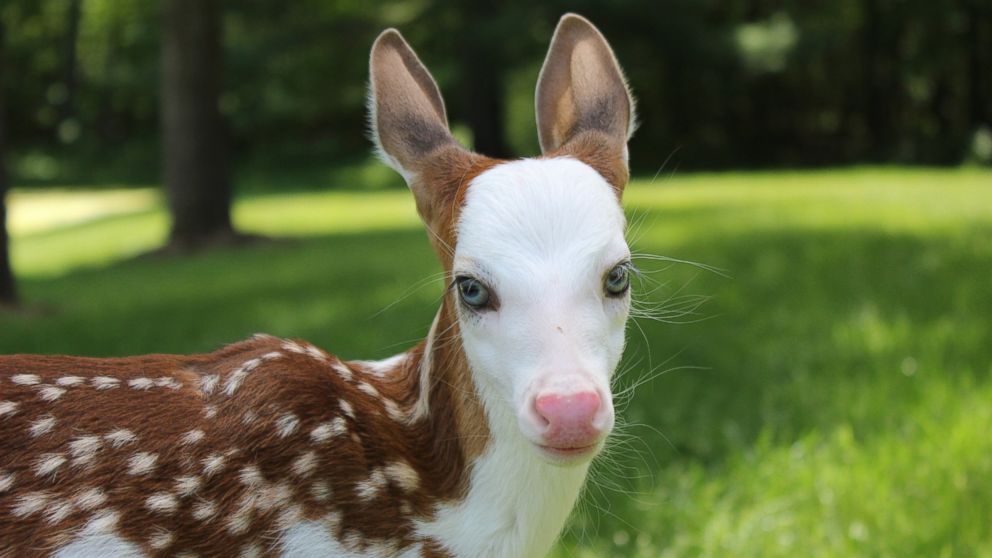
x,y
831,397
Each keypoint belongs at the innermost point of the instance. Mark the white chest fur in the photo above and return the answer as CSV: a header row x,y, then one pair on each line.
x,y
517,503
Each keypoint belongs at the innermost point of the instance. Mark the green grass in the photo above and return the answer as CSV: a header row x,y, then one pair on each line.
x,y
833,397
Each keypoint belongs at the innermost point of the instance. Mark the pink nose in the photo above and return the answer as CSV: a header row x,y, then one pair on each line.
x,y
569,418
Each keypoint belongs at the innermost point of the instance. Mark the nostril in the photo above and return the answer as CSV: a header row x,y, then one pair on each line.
x,y
540,417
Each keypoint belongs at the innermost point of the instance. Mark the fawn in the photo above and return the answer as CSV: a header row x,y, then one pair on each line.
x,y
476,442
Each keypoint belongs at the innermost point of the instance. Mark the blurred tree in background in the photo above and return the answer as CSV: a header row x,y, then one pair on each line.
x,y
8,294
197,177
737,83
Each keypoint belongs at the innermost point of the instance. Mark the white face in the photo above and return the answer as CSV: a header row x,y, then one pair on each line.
x,y
544,239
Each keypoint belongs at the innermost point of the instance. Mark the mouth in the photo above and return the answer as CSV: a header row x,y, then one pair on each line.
x,y
568,454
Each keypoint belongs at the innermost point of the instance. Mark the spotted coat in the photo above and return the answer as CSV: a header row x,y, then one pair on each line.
x,y
211,454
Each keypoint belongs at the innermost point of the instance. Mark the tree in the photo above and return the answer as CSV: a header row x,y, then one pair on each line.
x,y
70,76
482,74
8,293
197,176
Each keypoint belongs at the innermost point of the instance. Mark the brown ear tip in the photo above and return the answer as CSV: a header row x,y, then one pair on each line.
x,y
572,19
389,38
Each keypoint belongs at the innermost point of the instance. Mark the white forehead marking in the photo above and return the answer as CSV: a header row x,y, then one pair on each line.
x,y
542,209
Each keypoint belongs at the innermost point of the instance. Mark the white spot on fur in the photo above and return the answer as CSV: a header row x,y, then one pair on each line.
x,y
342,370
393,410
239,523
187,485
385,367
316,353
70,381
50,393
251,551
327,430
251,476
368,489
168,382
212,464
162,502
105,521
209,411
204,510
249,418
192,437
141,463
293,347
25,379
305,464
83,449
31,503
105,382
287,424
240,373
91,498
403,475
119,437
369,389
141,383
58,511
8,408
42,425
209,383
6,481
320,491
161,539
273,496
346,408
48,463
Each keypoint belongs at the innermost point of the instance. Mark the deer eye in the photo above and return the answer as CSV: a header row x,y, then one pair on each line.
x,y
617,281
473,293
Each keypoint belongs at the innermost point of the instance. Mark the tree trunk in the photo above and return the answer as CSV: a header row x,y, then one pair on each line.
x,y
197,176
482,72
70,70
8,292
978,114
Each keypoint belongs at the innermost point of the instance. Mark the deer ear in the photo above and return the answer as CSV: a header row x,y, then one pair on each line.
x,y
582,89
408,119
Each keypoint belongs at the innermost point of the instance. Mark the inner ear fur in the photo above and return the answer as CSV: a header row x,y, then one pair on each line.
x,y
410,128
583,105
407,112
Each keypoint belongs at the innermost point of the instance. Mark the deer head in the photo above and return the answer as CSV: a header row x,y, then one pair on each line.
x,y
533,249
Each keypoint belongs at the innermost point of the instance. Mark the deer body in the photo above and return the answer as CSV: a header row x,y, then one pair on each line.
x,y
476,442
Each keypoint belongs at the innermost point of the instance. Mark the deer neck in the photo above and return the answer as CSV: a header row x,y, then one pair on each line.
x,y
509,502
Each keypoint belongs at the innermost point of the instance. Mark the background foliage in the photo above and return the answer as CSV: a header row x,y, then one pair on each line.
x,y
741,83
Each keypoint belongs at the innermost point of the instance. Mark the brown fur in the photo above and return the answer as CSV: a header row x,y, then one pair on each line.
x,y
304,383
600,153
